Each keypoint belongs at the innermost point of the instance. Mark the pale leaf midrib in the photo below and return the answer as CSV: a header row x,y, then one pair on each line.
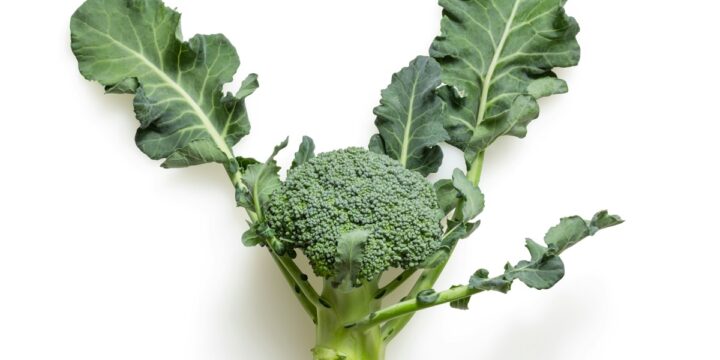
x,y
408,123
482,109
207,124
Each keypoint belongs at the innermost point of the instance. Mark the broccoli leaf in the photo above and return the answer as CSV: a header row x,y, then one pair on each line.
x,y
447,195
257,233
198,152
427,296
244,162
261,180
251,237
135,47
572,229
305,152
474,199
567,233
480,281
408,118
248,86
497,57
350,249
460,304
542,271
545,268
603,220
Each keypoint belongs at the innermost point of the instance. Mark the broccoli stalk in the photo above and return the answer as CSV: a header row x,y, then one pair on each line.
x,y
334,339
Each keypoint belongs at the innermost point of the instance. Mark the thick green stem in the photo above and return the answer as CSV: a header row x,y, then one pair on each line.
x,y
300,280
411,306
430,276
235,176
334,340
309,307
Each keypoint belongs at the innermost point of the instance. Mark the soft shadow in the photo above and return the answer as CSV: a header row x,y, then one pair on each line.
x,y
210,176
540,337
260,305
271,315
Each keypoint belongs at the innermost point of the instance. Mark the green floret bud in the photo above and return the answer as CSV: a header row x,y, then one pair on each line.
x,y
353,189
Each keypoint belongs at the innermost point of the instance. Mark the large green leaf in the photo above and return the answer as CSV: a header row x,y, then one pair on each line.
x,y
134,46
497,56
408,118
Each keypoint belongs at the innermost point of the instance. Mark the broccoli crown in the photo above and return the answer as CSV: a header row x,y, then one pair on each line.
x,y
351,189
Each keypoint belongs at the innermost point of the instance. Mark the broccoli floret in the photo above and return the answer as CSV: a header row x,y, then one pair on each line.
x,y
346,190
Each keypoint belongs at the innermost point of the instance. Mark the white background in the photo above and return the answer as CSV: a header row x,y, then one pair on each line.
x,y
103,255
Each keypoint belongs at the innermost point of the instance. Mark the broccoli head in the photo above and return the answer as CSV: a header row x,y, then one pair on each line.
x,y
354,189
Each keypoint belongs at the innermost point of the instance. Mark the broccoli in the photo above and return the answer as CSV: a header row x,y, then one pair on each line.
x,y
357,214
354,189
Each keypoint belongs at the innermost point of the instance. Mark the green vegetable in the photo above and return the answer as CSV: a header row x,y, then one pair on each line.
x,y
497,57
357,215
391,212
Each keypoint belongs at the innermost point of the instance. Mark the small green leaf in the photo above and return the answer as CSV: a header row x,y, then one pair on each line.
x,y
447,195
537,251
251,238
350,249
248,86
603,220
567,233
409,120
279,246
258,233
376,144
277,149
474,200
542,274
305,152
427,297
480,281
461,304
457,231
261,180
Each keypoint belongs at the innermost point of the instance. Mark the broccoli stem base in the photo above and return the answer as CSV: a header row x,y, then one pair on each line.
x,y
333,340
